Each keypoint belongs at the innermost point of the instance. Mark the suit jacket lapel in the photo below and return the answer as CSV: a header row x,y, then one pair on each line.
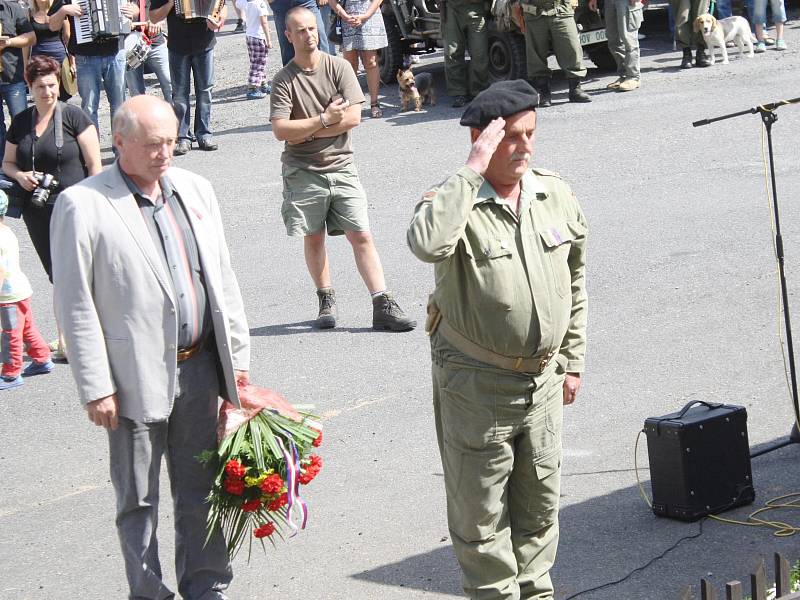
x,y
123,202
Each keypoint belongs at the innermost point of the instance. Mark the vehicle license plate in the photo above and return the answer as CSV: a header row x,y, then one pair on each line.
x,y
593,37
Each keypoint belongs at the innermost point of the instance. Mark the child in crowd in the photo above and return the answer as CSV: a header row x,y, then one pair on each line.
x,y
258,43
16,317
760,19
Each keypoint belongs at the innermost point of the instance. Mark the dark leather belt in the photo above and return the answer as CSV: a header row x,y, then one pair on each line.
x,y
188,353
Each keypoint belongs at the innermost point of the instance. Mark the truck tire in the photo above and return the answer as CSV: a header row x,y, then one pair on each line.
x,y
506,56
390,58
600,55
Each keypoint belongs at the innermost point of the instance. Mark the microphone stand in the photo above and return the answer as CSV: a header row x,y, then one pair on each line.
x,y
768,117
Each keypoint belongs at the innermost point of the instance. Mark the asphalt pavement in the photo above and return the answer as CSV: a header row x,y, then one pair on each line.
x,y
683,306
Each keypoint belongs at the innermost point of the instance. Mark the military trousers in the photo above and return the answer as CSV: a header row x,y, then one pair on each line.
x,y
465,30
499,436
622,29
684,12
559,32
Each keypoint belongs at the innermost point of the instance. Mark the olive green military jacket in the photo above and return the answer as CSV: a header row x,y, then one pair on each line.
x,y
513,285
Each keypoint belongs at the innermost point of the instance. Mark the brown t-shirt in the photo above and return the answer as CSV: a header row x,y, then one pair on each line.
x,y
299,94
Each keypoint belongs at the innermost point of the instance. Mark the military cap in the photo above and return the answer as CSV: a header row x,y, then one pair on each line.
x,y
502,99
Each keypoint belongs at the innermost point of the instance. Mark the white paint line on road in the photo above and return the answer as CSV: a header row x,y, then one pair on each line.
x,y
7,512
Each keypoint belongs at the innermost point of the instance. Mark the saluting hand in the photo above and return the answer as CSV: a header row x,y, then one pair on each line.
x,y
572,383
485,144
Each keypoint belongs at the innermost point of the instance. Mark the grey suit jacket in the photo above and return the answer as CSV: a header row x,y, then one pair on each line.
x,y
113,299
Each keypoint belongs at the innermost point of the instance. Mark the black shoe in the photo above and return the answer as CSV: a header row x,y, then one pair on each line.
x,y
576,94
686,60
700,59
460,101
326,319
207,144
239,25
182,147
386,314
542,85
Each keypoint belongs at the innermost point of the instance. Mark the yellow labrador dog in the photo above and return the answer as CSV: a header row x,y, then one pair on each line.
x,y
717,33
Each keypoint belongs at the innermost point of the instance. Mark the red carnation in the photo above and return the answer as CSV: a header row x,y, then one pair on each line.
x,y
234,486
278,503
265,530
318,440
252,505
272,484
235,469
308,474
316,461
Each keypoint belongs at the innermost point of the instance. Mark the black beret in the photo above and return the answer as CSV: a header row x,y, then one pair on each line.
x,y
502,99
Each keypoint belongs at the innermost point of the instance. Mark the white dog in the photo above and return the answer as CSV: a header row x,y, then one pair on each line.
x,y
717,33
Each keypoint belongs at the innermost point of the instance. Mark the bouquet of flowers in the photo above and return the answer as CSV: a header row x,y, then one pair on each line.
x,y
263,456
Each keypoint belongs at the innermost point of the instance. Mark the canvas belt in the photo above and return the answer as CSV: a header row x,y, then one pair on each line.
x,y
534,364
537,8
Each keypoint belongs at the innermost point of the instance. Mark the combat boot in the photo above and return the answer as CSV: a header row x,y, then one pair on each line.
x,y
700,59
326,319
386,314
542,85
686,61
576,94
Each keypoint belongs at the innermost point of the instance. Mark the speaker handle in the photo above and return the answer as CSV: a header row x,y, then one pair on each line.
x,y
689,405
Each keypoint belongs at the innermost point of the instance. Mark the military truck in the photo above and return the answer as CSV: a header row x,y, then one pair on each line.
x,y
412,27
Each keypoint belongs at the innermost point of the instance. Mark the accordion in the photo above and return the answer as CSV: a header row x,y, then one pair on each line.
x,y
101,19
198,9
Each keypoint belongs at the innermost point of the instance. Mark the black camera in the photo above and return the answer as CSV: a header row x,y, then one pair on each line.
x,y
46,184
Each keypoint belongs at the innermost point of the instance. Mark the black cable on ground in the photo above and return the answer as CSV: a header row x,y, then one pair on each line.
x,y
644,566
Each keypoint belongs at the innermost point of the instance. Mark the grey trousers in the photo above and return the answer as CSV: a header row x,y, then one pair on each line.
x,y
136,450
622,28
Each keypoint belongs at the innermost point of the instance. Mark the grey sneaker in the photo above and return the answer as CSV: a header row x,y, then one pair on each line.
x,y
386,314
327,309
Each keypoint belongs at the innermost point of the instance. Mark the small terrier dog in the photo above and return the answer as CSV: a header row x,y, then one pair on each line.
x,y
415,87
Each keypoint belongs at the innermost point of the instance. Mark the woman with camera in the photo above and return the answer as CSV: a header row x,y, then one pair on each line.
x,y
33,157
49,147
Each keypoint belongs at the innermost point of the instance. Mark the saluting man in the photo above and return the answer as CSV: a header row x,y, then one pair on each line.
x,y
507,322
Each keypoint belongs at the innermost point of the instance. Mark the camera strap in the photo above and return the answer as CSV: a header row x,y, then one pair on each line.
x,y
58,126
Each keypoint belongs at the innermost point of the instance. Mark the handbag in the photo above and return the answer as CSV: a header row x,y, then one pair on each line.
x,y
335,27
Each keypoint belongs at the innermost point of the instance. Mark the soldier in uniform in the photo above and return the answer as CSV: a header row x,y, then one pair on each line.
x,y
464,28
507,324
551,23
684,12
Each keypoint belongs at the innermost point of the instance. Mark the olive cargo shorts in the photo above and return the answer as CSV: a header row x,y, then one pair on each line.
x,y
313,200
499,437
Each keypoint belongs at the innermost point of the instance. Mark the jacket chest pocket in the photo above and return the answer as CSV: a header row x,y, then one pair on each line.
x,y
557,240
493,268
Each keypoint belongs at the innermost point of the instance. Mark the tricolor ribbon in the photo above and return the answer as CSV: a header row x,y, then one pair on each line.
x,y
292,459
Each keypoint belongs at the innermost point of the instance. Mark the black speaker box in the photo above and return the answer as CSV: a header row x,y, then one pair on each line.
x,y
699,460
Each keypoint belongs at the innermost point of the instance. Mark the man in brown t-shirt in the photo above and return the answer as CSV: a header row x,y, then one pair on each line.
x,y
315,102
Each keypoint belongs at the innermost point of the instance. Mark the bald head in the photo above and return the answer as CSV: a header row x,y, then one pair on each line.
x,y
298,14
301,31
145,129
140,110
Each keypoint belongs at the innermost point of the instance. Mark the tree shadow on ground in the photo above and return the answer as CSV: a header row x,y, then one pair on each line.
x,y
612,538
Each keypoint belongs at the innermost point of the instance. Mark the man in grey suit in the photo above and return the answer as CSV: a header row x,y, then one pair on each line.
x,y
154,322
